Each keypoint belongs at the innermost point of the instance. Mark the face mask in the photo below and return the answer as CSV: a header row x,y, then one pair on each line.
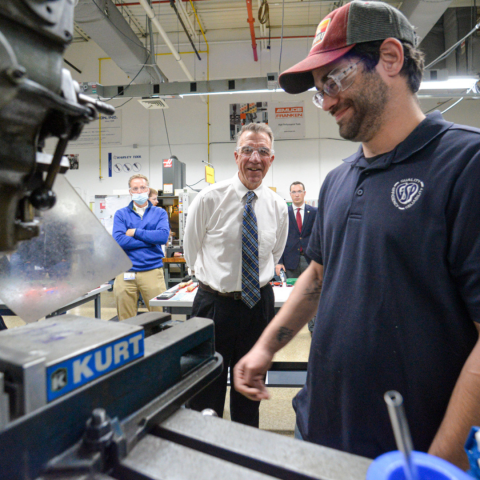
x,y
140,198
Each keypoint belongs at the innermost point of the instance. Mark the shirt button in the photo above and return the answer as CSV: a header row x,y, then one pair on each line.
x,y
360,192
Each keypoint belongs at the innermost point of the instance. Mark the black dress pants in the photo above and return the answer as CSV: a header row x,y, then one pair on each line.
x,y
237,328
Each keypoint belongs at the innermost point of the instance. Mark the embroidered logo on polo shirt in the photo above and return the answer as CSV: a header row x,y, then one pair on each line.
x,y
406,192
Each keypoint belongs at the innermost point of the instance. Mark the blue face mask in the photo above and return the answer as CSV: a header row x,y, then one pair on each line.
x,y
140,198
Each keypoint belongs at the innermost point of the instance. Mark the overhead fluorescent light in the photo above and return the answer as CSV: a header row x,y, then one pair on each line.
x,y
453,83
233,92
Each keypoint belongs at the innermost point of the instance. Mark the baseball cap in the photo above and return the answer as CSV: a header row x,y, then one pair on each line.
x,y
355,22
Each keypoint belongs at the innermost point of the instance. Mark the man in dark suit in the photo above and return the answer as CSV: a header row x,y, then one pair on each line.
x,y
301,218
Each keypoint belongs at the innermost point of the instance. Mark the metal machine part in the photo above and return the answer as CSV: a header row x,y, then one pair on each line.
x,y
42,362
177,362
174,176
128,424
396,412
72,254
38,99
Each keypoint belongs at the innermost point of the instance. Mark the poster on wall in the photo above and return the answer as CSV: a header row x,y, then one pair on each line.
x,y
244,113
130,164
111,128
287,119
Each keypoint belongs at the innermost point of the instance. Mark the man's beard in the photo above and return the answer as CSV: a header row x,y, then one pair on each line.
x,y
368,106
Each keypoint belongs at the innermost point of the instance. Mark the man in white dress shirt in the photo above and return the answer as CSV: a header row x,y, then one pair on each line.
x,y
233,252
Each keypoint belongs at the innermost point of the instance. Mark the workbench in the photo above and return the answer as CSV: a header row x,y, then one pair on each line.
x,y
170,280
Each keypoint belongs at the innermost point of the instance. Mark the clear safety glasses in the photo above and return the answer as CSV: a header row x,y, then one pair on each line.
x,y
338,80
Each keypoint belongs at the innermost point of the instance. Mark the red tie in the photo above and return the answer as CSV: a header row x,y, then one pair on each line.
x,y
299,223
299,220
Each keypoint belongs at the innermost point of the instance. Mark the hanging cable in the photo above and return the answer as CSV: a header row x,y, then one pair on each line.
x,y
459,100
201,180
264,12
194,189
120,106
438,106
128,86
281,40
451,106
168,139
264,18
444,55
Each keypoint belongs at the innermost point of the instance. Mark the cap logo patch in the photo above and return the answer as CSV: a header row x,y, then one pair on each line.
x,y
406,192
321,31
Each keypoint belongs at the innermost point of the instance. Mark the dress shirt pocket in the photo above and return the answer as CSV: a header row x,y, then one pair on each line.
x,y
266,242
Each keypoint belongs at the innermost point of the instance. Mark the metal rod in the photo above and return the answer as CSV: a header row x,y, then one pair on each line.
x,y
172,4
394,401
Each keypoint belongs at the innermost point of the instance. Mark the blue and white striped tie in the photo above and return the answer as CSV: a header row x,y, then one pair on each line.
x,y
250,276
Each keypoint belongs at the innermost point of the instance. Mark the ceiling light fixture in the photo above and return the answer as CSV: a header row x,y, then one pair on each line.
x,y
453,83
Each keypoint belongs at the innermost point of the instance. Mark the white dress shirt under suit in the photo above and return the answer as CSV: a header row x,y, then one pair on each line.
x,y
213,234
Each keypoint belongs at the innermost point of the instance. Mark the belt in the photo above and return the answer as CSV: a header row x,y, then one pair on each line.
x,y
234,295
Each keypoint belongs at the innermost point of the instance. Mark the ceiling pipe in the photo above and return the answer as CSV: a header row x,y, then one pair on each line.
x,y
251,21
172,4
150,13
187,18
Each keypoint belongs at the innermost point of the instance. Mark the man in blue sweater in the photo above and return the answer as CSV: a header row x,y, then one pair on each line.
x,y
140,229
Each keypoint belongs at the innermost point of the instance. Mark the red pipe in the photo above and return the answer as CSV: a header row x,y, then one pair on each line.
x,y
251,21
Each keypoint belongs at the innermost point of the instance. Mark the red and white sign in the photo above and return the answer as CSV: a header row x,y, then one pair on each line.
x,y
287,119
288,112
168,163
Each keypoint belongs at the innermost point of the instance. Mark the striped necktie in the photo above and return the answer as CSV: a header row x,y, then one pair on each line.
x,y
250,276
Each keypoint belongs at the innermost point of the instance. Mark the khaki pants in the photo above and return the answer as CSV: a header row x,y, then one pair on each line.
x,y
150,284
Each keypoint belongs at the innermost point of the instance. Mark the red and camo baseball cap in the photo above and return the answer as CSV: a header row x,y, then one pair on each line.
x,y
355,22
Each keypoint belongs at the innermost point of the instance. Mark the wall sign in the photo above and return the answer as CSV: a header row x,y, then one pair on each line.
x,y
286,119
111,128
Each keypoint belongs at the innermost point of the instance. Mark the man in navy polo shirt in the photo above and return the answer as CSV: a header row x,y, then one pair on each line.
x,y
395,252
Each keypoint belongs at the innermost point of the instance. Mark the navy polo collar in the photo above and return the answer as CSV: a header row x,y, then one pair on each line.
x,y
430,128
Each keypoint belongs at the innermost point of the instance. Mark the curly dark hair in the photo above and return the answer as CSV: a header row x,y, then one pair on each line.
x,y
413,64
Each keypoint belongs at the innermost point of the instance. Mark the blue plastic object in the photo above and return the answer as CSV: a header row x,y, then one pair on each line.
x,y
473,453
389,466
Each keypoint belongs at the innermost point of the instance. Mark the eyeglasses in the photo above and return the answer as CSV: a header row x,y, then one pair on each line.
x,y
297,192
139,189
338,81
247,150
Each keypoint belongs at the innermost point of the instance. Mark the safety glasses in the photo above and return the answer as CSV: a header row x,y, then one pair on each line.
x,y
338,80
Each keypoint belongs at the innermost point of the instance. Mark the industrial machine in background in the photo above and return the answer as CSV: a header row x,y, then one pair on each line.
x,y
174,176
38,99
177,209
